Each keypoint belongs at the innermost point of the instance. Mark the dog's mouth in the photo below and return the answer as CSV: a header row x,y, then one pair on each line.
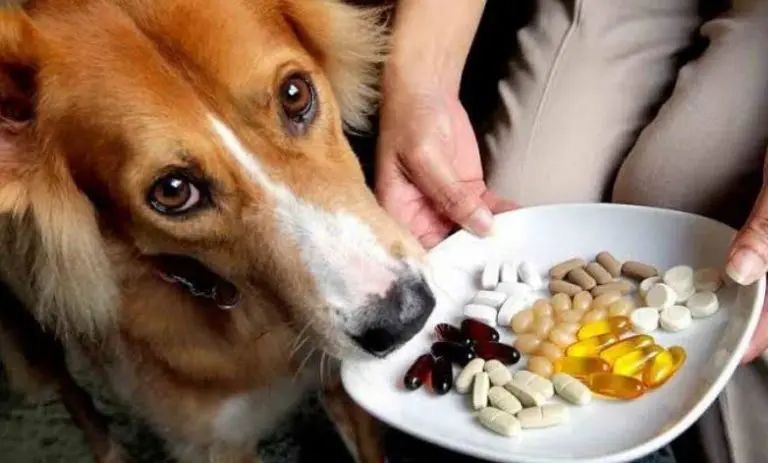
x,y
197,279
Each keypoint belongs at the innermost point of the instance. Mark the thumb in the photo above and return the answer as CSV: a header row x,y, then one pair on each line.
x,y
458,200
748,258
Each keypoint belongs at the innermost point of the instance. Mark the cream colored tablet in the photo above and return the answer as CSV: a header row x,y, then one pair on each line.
x,y
467,375
499,421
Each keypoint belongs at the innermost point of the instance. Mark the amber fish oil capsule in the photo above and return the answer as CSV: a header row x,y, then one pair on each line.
x,y
617,386
591,347
633,362
581,367
615,325
611,353
659,370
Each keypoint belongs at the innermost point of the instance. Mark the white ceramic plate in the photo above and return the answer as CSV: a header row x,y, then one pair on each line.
x,y
605,431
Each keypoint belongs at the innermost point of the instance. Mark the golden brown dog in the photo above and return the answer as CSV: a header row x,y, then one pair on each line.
x,y
178,200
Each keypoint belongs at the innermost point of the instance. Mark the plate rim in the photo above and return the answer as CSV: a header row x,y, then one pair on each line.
x,y
638,451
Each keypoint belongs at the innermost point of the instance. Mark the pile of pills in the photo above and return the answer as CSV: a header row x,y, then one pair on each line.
x,y
508,402
473,340
676,298
588,336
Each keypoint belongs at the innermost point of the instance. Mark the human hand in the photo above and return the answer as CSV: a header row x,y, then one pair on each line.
x,y
429,176
748,261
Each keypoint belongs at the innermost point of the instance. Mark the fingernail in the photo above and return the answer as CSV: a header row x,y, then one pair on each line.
x,y
745,267
480,222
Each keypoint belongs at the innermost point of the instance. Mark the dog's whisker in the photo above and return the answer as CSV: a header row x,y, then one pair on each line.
x,y
322,369
303,363
298,347
300,335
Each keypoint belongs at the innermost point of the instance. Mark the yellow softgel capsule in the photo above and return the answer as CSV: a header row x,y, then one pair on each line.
x,y
617,386
663,366
591,347
633,362
581,367
625,346
615,325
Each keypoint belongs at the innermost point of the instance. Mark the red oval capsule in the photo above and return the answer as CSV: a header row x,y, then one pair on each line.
x,y
504,353
448,332
442,375
456,353
418,373
478,331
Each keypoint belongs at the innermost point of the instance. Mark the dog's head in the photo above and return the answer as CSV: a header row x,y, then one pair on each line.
x,y
209,133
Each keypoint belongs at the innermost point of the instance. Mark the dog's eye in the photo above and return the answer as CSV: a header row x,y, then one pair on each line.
x,y
174,194
298,101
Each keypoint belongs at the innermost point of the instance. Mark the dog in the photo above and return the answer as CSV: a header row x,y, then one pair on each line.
x,y
179,202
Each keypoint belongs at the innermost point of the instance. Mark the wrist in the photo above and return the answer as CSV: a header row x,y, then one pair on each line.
x,y
431,52
411,70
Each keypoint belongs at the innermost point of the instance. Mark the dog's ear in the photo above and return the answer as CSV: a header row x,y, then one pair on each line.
x,y
350,43
48,228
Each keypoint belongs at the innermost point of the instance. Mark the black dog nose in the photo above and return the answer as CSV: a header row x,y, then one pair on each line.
x,y
388,322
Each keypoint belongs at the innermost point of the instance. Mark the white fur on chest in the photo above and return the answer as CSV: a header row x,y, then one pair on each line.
x,y
247,417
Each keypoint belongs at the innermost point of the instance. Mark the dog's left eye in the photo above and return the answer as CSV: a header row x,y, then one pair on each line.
x,y
298,102
174,194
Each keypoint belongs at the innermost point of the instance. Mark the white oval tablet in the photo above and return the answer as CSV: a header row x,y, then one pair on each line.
x,y
707,279
571,389
680,278
481,313
528,396
490,298
490,276
703,304
508,273
542,417
647,284
498,373
675,318
467,375
513,289
644,320
499,421
504,400
536,382
530,276
480,389
511,307
661,296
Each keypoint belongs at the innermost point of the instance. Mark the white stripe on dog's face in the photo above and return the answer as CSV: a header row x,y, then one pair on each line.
x,y
340,252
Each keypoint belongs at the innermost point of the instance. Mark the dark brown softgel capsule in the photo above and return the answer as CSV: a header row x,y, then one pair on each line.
x,y
454,352
504,353
448,332
442,375
478,331
418,373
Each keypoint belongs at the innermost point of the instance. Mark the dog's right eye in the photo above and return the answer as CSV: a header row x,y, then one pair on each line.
x,y
174,194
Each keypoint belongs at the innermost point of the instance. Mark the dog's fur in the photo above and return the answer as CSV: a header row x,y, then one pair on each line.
x,y
100,98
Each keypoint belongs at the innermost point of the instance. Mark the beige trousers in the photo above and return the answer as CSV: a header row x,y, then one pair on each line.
x,y
601,108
